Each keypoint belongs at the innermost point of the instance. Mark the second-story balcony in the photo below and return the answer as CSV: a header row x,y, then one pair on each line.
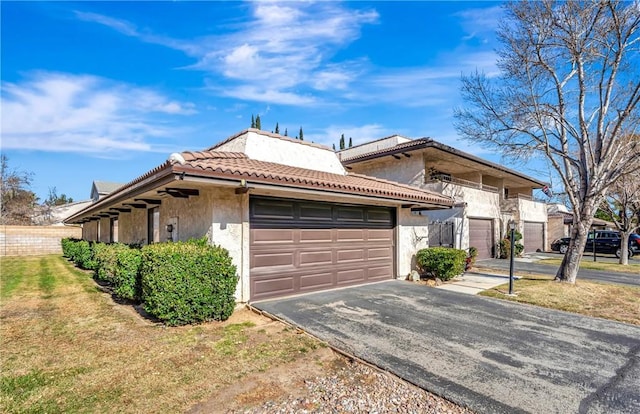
x,y
446,178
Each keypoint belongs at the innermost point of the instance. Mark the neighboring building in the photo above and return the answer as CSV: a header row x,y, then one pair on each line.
x,y
292,218
487,195
56,215
101,189
561,221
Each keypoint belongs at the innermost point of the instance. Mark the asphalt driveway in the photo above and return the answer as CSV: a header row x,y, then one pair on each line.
x,y
490,355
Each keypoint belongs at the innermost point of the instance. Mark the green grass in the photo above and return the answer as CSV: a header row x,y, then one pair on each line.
x,y
67,347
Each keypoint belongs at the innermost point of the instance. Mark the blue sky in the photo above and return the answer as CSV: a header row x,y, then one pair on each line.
x,y
107,90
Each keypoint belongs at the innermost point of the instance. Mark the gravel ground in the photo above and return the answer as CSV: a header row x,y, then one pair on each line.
x,y
357,388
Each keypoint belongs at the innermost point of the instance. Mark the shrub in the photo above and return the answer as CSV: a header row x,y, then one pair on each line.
x,y
126,283
83,255
442,262
185,283
69,247
106,261
505,245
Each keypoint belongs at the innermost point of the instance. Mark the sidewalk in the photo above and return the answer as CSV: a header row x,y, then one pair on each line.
x,y
473,283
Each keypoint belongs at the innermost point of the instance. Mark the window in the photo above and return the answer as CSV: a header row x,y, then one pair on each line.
x,y
153,225
114,230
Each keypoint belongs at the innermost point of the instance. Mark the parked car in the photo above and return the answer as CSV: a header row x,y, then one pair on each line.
x,y
606,241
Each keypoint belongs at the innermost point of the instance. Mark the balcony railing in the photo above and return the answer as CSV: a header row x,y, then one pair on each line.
x,y
444,178
520,196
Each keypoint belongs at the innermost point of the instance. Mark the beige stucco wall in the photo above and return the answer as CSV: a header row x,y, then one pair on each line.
x,y
406,170
90,231
132,227
105,230
285,151
412,235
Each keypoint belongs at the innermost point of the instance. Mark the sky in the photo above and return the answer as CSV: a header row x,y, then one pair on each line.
x,y
108,90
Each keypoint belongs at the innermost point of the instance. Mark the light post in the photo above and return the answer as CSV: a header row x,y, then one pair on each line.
x,y
512,229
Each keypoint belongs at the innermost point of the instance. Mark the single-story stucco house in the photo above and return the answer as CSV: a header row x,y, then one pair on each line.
x,y
290,215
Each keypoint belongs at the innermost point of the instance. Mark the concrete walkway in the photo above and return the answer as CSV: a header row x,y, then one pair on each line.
x,y
473,283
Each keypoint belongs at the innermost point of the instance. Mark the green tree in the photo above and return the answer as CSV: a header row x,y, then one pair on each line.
x,y
568,91
334,146
286,132
301,137
277,128
258,123
253,122
57,200
18,201
350,142
342,142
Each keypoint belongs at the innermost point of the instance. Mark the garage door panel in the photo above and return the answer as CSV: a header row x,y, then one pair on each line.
x,y
379,215
316,236
270,259
273,287
272,209
271,236
316,281
481,237
379,272
350,235
353,275
351,255
380,253
316,258
533,237
325,245
315,212
384,236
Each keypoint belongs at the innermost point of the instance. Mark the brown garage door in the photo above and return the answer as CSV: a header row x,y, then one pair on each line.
x,y
302,246
481,237
533,237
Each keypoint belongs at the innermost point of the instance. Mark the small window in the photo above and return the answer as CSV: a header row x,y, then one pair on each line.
x,y
153,225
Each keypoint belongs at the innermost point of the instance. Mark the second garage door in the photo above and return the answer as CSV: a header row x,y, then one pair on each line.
x,y
533,237
481,237
302,246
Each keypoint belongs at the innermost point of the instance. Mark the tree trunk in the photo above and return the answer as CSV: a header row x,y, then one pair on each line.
x,y
624,247
568,270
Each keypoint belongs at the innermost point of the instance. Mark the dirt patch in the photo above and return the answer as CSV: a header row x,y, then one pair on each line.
x,y
284,381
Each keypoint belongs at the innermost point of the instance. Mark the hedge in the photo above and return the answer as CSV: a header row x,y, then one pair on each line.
x,y
442,262
79,251
186,283
105,260
126,283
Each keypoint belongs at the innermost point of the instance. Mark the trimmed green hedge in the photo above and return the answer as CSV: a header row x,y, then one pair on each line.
x,y
79,251
126,283
442,262
186,283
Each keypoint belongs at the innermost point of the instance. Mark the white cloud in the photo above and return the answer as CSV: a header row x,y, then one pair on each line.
x,y
82,113
480,24
282,51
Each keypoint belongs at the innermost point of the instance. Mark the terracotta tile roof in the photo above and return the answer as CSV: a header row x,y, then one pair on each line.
x,y
223,165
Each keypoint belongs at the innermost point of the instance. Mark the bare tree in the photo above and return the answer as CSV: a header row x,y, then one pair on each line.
x,y
17,201
568,90
622,207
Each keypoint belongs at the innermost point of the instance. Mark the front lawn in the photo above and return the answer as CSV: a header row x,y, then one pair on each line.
x,y
588,263
66,346
618,303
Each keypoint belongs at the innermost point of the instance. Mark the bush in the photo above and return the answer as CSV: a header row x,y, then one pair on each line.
x,y
105,258
82,254
69,247
126,283
442,262
185,283
505,245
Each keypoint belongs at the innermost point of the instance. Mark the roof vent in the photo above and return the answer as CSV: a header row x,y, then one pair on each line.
x,y
176,158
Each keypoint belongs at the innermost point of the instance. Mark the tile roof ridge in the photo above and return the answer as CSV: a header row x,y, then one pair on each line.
x,y
397,184
209,154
